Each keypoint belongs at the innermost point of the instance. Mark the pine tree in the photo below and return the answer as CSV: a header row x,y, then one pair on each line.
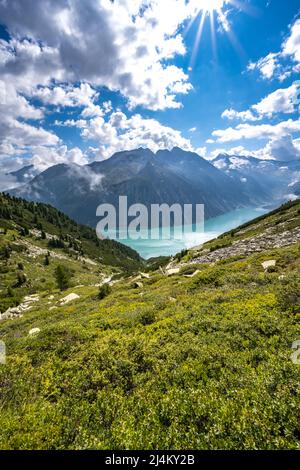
x,y
63,277
7,252
21,279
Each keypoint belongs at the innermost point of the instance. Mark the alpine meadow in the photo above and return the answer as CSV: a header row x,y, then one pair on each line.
x,y
149,233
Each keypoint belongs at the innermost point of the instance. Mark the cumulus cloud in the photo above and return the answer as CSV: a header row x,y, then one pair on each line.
x,y
291,47
120,132
259,131
283,100
22,135
281,149
44,157
67,95
122,45
63,54
281,64
266,65
231,114
15,105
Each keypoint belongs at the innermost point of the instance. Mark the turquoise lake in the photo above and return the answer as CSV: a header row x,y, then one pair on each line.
x,y
213,228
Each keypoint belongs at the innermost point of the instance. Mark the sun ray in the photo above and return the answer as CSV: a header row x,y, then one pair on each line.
x,y
231,35
190,24
217,10
246,7
213,34
198,39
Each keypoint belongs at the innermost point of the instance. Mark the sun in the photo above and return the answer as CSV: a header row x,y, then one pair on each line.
x,y
216,12
210,5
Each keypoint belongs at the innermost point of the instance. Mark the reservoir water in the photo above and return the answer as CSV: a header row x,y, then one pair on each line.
x,y
213,228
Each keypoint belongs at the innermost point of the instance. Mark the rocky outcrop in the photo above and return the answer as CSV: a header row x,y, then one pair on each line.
x,y
69,298
268,240
23,307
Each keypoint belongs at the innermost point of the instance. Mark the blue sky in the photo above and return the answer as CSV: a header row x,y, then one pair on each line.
x,y
80,82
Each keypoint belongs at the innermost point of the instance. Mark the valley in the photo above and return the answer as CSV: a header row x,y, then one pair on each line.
x,y
189,352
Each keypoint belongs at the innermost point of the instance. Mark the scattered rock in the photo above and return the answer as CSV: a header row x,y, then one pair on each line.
x,y
171,272
192,275
87,260
137,285
69,298
35,251
269,264
270,239
106,280
16,312
31,298
145,275
34,332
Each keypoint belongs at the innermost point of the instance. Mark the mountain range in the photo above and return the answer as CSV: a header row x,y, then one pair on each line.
x,y
275,179
169,177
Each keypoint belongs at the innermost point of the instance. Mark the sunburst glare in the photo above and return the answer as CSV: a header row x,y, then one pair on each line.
x,y
210,5
215,11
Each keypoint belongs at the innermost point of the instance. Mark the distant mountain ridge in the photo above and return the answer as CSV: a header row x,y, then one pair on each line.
x,y
25,174
274,178
169,177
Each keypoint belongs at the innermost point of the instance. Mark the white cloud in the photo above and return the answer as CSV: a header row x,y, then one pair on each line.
x,y
283,63
266,65
242,115
107,107
291,46
283,100
296,143
14,105
202,151
122,45
20,134
233,152
261,131
59,57
281,149
44,157
280,101
120,132
67,95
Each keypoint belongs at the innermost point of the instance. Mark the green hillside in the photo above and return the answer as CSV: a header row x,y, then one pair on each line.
x,y
192,355
21,216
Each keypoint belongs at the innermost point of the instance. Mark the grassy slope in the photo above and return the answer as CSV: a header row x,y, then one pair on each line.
x,y
54,222
179,362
